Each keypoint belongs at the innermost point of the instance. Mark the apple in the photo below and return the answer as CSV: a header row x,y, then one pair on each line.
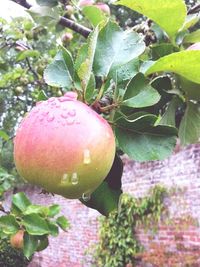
x,y
64,146
83,3
18,90
67,37
69,10
17,240
103,7
191,89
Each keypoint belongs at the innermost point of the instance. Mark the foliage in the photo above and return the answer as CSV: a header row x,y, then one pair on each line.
x,y
37,221
118,244
10,257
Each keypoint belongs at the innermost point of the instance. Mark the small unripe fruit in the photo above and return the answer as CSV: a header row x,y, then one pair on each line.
x,y
103,7
83,3
67,37
16,240
64,146
19,90
69,10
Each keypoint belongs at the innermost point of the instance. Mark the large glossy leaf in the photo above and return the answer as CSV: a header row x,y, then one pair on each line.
x,y
189,130
168,117
58,73
142,141
21,201
115,47
140,93
62,222
185,63
30,245
35,225
94,15
8,224
85,69
125,72
169,15
192,37
106,197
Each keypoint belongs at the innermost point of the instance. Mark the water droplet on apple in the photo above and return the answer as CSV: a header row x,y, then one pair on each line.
x,y
50,117
70,121
86,156
51,99
74,178
45,113
71,95
41,119
86,196
65,178
35,110
39,103
64,115
72,112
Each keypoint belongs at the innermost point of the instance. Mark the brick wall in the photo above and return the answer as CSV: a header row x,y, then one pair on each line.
x,y
181,171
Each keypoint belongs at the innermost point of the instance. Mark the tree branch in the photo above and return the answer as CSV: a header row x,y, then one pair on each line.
x,y
68,23
194,9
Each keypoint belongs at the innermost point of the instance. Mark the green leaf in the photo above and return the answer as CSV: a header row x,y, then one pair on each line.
x,y
125,72
53,228
49,3
191,20
94,15
105,198
189,130
58,72
163,12
85,69
8,224
62,222
42,96
161,50
115,48
4,135
140,93
35,224
191,89
30,245
27,53
185,63
54,210
44,15
44,211
193,37
168,117
143,142
21,201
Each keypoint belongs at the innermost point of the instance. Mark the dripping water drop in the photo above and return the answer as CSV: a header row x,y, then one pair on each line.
x,y
74,178
86,156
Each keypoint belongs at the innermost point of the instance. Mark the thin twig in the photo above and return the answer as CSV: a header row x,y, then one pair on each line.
x,y
68,23
31,69
194,9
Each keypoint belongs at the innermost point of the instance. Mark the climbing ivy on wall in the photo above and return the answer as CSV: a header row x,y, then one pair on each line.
x,y
118,243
